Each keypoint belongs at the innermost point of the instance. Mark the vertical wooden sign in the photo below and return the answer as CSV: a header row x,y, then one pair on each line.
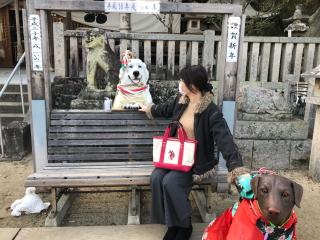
x,y
36,47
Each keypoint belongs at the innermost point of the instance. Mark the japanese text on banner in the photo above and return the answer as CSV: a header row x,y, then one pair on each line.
x,y
35,37
135,6
233,39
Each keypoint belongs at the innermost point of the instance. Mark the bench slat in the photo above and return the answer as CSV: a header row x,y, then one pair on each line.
x,y
112,142
101,157
80,116
69,150
102,136
111,122
111,129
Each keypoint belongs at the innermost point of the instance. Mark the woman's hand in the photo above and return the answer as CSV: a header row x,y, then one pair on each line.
x,y
142,108
237,172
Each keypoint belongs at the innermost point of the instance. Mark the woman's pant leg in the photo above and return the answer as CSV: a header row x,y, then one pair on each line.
x,y
176,189
157,198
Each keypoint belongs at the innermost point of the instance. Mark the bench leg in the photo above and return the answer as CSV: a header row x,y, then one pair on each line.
x,y
203,204
134,207
59,208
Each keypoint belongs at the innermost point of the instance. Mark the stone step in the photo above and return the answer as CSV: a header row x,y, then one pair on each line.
x,y
128,232
7,118
12,107
13,97
15,88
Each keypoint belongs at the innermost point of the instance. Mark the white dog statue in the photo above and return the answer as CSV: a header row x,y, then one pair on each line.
x,y
30,203
132,90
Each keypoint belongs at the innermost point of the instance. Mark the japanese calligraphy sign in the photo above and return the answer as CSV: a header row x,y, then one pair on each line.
x,y
134,6
233,39
35,36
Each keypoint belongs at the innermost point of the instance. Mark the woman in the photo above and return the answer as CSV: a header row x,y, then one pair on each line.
x,y
203,121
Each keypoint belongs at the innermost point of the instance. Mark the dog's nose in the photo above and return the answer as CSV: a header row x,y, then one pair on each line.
x,y
136,73
273,211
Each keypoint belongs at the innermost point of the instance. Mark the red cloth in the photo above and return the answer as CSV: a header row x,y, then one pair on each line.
x,y
243,225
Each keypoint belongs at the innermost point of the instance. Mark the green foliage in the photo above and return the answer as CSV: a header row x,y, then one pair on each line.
x,y
275,10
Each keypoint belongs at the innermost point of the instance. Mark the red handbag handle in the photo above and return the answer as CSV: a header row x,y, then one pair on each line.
x,y
182,135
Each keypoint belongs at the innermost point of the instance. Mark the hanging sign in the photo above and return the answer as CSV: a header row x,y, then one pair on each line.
x,y
35,39
233,39
135,6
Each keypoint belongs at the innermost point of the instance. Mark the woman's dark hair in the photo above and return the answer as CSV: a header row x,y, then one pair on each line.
x,y
197,76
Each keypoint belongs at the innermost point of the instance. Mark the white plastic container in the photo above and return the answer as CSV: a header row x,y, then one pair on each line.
x,y
107,104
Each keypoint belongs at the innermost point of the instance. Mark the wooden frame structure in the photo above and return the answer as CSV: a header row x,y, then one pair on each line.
x,y
39,81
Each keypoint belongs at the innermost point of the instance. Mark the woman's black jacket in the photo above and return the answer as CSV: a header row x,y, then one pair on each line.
x,y
210,129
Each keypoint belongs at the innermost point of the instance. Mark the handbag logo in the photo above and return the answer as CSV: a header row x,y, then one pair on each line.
x,y
171,154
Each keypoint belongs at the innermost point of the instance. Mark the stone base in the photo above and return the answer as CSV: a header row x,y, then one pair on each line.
x,y
17,140
86,104
91,99
275,154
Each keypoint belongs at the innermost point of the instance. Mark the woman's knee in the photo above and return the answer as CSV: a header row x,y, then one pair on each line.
x,y
156,176
168,182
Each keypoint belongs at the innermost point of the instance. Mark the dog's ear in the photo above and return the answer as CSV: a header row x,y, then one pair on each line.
x,y
254,185
297,191
146,70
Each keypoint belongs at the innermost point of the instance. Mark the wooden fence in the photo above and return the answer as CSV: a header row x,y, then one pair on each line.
x,y
264,59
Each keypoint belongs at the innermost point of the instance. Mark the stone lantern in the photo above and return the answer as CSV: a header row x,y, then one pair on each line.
x,y
314,165
193,23
298,22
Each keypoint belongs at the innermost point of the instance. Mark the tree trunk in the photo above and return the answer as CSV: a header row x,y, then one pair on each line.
x,y
314,23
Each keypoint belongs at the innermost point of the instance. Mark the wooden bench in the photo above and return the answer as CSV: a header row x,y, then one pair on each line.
x,y
102,149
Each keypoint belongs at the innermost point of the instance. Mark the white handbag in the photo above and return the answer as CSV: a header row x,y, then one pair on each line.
x,y
174,153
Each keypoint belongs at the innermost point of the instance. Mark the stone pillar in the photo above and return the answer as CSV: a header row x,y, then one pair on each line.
x,y
314,165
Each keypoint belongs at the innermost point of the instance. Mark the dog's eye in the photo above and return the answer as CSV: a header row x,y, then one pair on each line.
x,y
285,194
264,190
139,66
130,66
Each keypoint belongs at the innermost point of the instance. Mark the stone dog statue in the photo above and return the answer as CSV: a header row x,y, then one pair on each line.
x,y
100,56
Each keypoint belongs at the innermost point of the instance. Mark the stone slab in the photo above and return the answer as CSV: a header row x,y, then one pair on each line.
x,y
8,233
300,153
273,154
245,147
128,232
271,130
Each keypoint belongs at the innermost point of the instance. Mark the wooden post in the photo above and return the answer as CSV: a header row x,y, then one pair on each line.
x,y
124,27
310,109
19,45
314,164
74,57
59,49
39,88
208,52
222,59
46,61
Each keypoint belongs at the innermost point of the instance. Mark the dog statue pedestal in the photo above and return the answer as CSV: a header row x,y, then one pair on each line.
x,y
91,98
314,165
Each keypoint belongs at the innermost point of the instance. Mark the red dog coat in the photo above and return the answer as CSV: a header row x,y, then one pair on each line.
x,y
248,224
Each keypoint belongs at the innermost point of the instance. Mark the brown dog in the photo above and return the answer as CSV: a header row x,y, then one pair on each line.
x,y
276,196
269,216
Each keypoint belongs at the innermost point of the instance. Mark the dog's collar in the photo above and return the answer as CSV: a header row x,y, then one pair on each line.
x,y
132,91
274,233
268,229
